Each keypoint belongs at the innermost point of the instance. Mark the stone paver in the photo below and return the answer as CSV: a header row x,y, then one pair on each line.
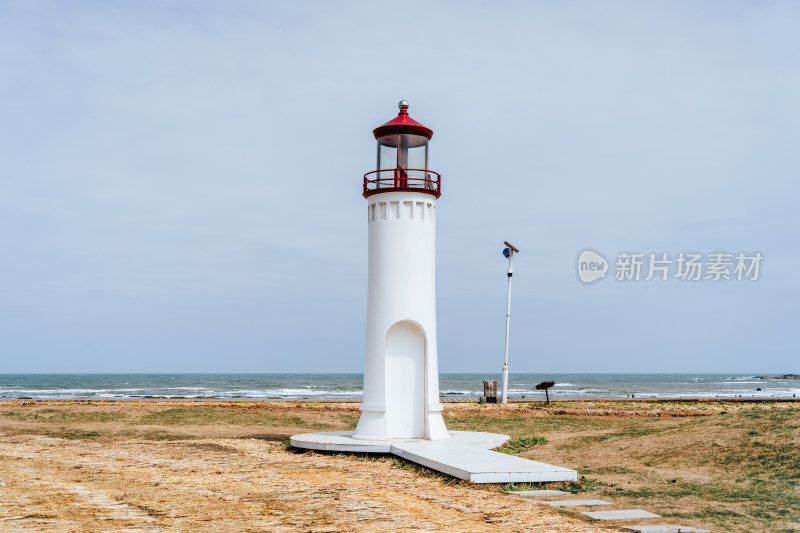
x,y
627,514
575,503
539,493
665,529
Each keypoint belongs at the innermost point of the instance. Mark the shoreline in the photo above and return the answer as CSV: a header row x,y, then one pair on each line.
x,y
776,399
347,388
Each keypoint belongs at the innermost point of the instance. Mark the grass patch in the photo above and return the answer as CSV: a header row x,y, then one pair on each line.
x,y
158,435
628,432
75,434
606,470
518,487
520,444
750,457
350,420
63,416
757,499
196,417
584,484
200,416
517,425
764,459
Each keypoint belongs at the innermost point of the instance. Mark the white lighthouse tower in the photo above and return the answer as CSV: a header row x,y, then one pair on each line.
x,y
401,376
400,412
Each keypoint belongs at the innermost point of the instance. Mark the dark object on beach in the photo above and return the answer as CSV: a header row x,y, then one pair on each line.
x,y
545,385
758,389
489,392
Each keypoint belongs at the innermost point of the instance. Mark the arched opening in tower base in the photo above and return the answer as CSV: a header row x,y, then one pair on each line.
x,y
405,380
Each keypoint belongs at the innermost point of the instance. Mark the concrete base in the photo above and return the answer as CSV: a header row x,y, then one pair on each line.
x,y
465,455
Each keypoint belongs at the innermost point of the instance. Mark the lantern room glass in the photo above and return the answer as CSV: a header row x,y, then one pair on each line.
x,y
402,151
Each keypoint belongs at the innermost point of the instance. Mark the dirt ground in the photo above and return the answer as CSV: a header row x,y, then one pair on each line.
x,y
137,467
225,466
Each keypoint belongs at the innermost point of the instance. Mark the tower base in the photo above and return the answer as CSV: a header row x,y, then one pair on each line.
x,y
466,455
375,425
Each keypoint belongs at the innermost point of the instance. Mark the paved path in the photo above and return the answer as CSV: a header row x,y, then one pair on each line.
x,y
568,500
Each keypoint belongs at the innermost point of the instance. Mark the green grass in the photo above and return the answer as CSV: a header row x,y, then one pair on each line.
x,y
749,458
584,484
606,470
514,487
198,415
60,416
630,431
763,495
517,425
72,433
76,434
158,435
194,416
521,444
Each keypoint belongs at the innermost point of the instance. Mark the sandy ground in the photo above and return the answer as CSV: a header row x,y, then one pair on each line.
x,y
222,478
225,466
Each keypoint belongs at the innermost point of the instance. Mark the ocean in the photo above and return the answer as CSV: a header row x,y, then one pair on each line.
x,y
348,386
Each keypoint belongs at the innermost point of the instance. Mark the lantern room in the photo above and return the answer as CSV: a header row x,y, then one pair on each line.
x,y
402,163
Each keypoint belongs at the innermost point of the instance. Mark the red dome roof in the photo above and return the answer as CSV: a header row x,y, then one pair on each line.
x,y
402,123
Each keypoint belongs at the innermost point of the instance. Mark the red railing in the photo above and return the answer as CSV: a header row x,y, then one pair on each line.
x,y
402,179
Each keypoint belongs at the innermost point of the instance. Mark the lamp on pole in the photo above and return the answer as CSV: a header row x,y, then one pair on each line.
x,y
508,252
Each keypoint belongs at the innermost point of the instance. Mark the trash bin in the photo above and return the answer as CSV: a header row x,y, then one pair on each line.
x,y
489,392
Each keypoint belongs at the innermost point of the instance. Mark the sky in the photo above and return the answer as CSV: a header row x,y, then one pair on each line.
x,y
180,182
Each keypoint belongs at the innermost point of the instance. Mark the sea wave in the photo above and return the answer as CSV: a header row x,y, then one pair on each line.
x,y
342,386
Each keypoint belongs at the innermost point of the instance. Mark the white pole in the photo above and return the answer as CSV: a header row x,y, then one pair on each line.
x,y
509,271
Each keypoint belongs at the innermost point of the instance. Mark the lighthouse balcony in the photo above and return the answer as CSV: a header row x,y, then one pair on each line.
x,y
402,179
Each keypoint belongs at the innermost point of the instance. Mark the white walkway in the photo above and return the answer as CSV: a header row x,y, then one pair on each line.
x,y
466,455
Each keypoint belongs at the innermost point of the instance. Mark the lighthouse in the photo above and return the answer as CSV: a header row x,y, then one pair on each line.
x,y
401,376
400,411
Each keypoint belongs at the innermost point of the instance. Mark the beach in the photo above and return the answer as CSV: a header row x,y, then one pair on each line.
x,y
181,465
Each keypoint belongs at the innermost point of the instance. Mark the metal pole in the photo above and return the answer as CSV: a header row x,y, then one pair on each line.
x,y
509,271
